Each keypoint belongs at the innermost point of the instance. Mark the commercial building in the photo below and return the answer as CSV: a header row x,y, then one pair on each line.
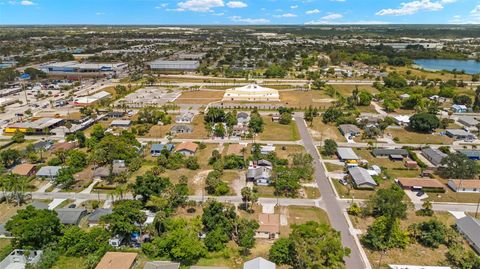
x,y
389,152
465,185
251,93
40,126
92,99
73,69
174,65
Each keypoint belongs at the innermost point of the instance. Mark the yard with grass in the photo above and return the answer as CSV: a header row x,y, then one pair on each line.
x,y
273,131
7,210
453,197
346,90
321,131
158,131
300,215
414,253
201,97
199,130
405,136
303,99
69,262
393,169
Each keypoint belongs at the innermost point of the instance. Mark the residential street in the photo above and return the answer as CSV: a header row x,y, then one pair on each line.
x,y
332,205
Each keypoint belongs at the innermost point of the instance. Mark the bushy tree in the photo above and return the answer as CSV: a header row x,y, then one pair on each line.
x,y
388,202
125,214
459,166
385,233
150,185
430,233
424,122
330,147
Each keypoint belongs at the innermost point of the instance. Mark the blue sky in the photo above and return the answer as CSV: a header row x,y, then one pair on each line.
x,y
238,11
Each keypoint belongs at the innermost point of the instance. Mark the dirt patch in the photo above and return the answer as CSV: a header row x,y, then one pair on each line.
x,y
199,181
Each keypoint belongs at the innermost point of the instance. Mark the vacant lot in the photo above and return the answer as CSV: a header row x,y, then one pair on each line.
x,y
346,90
300,215
273,131
322,131
303,99
7,211
200,97
409,137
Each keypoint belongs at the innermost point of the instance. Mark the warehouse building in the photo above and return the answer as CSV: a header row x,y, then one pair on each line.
x,y
174,65
40,126
92,99
74,69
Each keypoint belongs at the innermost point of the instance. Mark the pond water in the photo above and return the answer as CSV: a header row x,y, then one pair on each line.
x,y
469,66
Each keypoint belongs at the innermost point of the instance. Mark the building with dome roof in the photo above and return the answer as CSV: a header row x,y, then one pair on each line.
x,y
252,93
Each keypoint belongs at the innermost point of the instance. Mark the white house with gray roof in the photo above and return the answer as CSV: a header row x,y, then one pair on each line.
x,y
469,227
361,178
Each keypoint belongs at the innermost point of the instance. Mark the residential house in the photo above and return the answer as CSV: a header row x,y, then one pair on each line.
x,y
117,260
243,118
187,148
411,164
24,169
349,130
465,185
260,172
460,134
161,265
185,118
259,263
469,227
101,172
361,178
468,121
240,130
63,146
434,156
94,218
424,184
116,114
71,216
269,226
208,267
20,259
181,129
472,154
121,123
49,172
459,108
402,120
119,167
267,149
346,154
42,145
156,149
389,152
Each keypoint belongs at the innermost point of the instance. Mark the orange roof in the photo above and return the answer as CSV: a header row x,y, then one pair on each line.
x,y
466,183
117,260
190,146
23,169
235,149
420,182
269,223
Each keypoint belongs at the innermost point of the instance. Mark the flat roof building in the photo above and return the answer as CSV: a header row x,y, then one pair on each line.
x,y
74,68
174,65
34,127
347,154
252,93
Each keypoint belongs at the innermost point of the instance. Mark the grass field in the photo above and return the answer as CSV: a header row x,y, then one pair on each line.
x,y
7,211
158,131
346,90
302,99
409,137
273,131
300,215
199,97
69,262
322,131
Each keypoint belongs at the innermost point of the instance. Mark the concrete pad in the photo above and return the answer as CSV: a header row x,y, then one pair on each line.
x,y
458,214
55,203
268,208
44,187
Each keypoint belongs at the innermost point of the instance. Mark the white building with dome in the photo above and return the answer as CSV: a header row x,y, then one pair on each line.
x,y
252,93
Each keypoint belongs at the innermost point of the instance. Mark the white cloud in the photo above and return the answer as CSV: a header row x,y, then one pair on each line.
x,y
163,5
199,5
249,20
294,6
26,3
413,7
313,11
100,13
286,15
475,11
236,4
332,16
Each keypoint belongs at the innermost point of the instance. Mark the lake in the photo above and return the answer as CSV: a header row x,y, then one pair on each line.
x,y
469,66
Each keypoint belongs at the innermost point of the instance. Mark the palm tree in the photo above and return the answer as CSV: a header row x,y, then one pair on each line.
x,y
120,191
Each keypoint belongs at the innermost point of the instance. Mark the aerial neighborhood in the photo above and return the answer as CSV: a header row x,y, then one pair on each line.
x,y
254,147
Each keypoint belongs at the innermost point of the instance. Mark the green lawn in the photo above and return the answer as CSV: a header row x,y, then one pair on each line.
x,y
409,137
273,131
70,263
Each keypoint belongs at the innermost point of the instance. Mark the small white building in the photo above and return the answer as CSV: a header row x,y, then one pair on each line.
x,y
259,263
464,185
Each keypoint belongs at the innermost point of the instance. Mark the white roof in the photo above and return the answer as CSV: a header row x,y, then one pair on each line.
x,y
396,266
259,263
402,118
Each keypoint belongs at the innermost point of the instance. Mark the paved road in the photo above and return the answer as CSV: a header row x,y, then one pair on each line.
x,y
333,206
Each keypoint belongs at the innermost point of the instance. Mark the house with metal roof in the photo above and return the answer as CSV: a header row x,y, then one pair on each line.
x,y
459,108
260,172
185,118
49,172
389,152
71,216
121,123
161,265
181,129
259,263
156,149
468,121
361,178
346,154
469,227
472,154
460,134
434,156
94,218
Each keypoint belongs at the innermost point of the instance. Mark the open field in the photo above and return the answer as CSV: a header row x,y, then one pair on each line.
x,y
346,90
303,99
430,74
200,97
300,215
158,131
322,131
273,131
409,137
7,211
69,262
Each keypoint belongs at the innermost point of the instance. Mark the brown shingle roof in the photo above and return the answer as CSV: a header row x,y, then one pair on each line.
x,y
23,169
190,146
63,146
466,183
420,182
269,223
117,260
